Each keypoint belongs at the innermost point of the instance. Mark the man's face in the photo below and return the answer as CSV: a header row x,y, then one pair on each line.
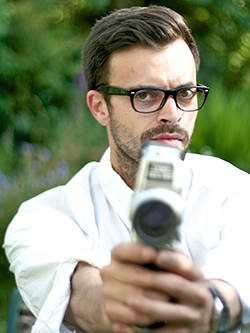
x,y
170,68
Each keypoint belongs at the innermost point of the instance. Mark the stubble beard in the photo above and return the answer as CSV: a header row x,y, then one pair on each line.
x,y
128,149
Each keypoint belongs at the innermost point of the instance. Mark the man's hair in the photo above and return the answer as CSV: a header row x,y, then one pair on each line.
x,y
150,27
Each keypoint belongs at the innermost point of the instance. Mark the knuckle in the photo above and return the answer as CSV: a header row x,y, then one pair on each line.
x,y
106,290
109,308
202,296
196,317
135,317
180,286
190,315
104,271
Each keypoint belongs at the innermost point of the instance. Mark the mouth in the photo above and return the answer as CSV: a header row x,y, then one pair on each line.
x,y
172,139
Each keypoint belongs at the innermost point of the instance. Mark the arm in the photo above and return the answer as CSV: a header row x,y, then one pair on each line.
x,y
132,292
86,306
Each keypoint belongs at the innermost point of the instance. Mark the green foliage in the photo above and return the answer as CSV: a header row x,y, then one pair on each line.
x,y
222,30
40,57
223,127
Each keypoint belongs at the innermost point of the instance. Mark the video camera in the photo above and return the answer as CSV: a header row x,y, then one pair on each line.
x,y
157,206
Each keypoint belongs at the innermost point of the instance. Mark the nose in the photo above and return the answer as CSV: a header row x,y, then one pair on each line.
x,y
169,113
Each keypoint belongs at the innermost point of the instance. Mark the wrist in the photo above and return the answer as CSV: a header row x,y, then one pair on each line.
x,y
220,315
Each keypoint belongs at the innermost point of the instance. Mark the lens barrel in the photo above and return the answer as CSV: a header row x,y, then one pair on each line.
x,y
156,215
154,218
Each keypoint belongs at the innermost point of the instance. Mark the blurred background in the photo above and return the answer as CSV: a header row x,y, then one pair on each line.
x,y
46,131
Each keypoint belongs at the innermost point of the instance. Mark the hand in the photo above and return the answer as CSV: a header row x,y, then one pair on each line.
x,y
139,296
86,310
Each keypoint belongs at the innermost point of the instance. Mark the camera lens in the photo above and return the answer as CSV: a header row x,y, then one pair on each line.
x,y
154,218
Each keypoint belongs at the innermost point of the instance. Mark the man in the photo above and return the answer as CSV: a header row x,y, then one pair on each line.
x,y
141,66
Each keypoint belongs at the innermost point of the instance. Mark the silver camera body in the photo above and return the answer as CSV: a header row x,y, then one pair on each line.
x,y
157,206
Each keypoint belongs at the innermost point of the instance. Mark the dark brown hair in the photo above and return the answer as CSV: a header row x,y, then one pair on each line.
x,y
152,27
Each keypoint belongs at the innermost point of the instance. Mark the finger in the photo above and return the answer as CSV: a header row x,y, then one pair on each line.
x,y
165,311
121,312
123,292
134,252
124,272
177,262
122,328
184,291
173,285
129,273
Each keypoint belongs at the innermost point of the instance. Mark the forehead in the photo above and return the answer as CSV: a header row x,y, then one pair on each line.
x,y
167,68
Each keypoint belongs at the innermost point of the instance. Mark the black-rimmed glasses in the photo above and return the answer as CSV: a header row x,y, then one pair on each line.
x,y
147,100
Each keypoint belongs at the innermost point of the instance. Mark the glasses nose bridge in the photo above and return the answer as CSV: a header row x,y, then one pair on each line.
x,y
168,93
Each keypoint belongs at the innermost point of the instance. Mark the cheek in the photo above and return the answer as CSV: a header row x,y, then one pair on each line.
x,y
190,121
131,120
132,124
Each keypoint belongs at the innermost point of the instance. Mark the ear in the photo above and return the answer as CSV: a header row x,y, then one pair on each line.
x,y
98,107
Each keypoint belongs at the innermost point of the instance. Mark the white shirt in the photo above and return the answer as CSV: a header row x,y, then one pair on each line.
x,y
83,220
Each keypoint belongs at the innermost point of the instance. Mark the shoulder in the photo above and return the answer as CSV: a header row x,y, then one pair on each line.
x,y
60,198
81,178
215,172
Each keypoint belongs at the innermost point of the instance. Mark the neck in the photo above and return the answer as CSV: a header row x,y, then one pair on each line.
x,y
124,166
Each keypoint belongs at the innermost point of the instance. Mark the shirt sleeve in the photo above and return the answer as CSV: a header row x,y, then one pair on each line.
x,y
44,246
227,260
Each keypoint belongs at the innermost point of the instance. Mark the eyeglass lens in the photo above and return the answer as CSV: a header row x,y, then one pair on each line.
x,y
149,100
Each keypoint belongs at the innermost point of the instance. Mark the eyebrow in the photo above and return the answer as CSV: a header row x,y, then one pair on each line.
x,y
187,84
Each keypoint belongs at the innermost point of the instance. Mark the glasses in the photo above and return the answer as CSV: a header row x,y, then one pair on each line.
x,y
148,100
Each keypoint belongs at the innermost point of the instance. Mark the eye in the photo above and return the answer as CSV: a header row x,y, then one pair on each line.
x,y
187,93
144,95
148,100
147,95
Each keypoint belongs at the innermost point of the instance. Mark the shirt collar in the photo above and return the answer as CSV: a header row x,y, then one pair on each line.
x,y
116,190
119,194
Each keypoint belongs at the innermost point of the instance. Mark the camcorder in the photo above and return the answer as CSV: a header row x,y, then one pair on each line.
x,y
157,206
